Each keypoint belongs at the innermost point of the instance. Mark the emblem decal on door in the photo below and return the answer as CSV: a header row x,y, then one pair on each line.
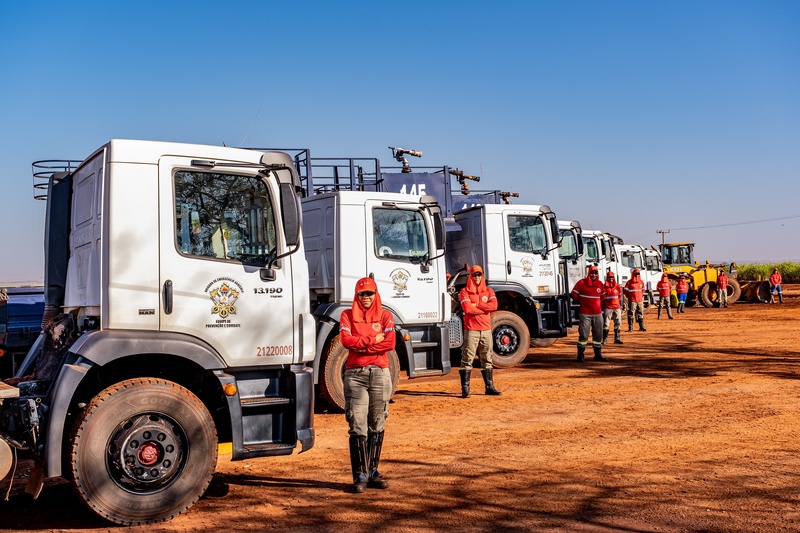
x,y
399,277
527,267
224,292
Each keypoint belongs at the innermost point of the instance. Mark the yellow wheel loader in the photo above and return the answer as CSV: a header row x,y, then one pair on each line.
x,y
679,259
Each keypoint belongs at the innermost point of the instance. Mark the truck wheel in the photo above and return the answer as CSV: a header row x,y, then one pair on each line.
x,y
331,382
142,451
510,339
543,343
708,294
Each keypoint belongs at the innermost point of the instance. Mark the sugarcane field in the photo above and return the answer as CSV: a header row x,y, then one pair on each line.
x,y
689,426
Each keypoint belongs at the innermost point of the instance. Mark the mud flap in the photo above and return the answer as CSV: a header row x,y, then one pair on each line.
x,y
35,482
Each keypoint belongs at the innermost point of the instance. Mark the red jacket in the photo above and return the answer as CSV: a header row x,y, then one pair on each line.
x,y
634,289
613,295
358,328
590,295
775,279
682,287
478,301
664,286
722,282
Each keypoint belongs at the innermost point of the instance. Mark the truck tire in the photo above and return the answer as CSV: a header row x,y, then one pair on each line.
x,y
543,343
142,451
331,382
510,339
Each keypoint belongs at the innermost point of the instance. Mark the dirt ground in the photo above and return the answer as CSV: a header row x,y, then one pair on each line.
x,y
690,426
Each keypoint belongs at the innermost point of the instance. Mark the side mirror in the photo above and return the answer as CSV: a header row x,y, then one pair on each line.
x,y
290,208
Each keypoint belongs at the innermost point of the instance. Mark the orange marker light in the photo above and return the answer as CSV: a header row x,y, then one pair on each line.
x,y
230,389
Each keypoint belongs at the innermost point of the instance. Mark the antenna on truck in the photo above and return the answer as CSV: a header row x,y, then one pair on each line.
x,y
399,153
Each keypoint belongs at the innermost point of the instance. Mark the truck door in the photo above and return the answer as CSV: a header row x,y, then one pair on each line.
x,y
526,247
399,243
218,230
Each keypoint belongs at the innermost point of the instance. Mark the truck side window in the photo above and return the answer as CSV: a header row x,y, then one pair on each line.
x,y
400,234
569,248
590,250
224,216
527,234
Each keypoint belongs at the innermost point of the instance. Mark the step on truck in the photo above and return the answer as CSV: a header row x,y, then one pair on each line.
x,y
176,318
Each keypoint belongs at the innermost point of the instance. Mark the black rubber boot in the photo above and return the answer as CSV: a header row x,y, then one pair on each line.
x,y
464,382
598,354
375,443
581,351
487,380
630,323
617,340
659,313
780,297
358,462
641,325
605,336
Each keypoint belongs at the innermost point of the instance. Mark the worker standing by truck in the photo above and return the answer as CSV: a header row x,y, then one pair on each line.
x,y
589,292
367,331
634,290
664,289
612,308
478,301
722,289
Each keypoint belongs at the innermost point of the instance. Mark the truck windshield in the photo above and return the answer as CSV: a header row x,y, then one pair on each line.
x,y
633,261
224,216
590,249
400,235
569,246
527,234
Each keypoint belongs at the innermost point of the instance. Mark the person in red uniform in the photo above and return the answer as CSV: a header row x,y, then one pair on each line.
x,y
612,308
367,331
589,292
682,288
664,288
775,285
722,289
634,290
478,301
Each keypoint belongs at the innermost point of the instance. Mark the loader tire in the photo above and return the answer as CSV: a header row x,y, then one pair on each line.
x,y
734,290
543,343
510,339
708,294
331,378
142,451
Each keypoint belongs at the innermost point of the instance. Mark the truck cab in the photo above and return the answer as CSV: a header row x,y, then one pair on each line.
x,y
397,239
518,247
176,318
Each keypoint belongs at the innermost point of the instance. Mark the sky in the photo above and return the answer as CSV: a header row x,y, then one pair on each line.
x,y
628,116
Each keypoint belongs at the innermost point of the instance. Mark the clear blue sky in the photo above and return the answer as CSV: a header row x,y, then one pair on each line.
x,y
630,116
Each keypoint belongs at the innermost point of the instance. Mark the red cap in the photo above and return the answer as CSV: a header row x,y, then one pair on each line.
x,y
366,284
